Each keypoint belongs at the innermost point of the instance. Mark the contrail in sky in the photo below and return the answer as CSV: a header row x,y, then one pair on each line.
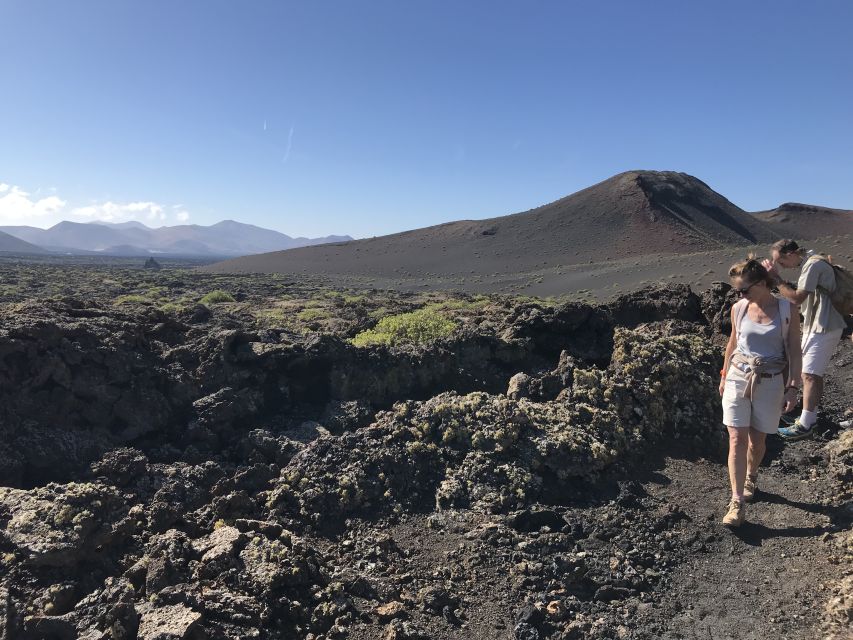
x,y
289,145
265,125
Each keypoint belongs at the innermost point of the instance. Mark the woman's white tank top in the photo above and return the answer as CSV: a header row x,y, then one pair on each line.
x,y
765,340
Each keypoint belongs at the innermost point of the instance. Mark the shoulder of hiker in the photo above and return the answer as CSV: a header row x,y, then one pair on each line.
x,y
817,262
813,267
739,306
738,312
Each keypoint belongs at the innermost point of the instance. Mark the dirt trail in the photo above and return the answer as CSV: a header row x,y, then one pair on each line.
x,y
766,579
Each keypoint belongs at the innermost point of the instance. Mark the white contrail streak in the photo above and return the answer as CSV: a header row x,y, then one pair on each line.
x,y
289,145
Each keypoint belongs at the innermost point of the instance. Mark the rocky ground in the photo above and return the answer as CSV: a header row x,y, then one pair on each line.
x,y
281,464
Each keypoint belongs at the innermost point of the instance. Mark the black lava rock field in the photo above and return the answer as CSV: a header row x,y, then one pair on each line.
x,y
192,456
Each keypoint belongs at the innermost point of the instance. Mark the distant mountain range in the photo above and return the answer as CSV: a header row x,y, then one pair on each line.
x,y
226,238
11,244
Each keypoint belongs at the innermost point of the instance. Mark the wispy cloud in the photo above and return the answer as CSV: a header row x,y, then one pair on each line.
x,y
181,214
265,125
18,206
289,145
121,212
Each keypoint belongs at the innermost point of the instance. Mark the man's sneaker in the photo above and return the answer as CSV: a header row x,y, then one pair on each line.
x,y
797,431
736,513
750,486
786,420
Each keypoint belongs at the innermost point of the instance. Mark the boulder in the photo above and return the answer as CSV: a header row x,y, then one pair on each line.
x,y
61,525
218,551
169,622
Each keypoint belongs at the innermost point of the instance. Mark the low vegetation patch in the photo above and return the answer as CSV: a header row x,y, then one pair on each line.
x,y
217,295
416,327
311,314
172,307
132,298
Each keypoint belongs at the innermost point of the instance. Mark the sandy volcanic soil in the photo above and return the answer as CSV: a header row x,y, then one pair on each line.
x,y
592,280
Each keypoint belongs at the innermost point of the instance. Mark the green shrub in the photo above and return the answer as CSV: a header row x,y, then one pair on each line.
x,y
417,327
172,307
311,314
132,299
475,304
217,295
378,313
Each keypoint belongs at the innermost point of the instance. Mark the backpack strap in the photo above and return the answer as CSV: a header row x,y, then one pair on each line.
x,y
785,308
740,311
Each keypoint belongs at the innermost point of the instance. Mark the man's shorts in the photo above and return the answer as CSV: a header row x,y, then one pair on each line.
x,y
762,412
818,349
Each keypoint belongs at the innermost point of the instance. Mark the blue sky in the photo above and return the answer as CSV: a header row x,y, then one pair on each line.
x,y
367,118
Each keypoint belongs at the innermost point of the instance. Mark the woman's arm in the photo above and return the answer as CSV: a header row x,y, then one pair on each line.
x,y
730,347
795,352
795,361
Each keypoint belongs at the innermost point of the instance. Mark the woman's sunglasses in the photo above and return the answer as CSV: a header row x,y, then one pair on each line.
x,y
742,292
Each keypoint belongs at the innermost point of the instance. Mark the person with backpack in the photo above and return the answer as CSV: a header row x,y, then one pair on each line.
x,y
818,293
759,379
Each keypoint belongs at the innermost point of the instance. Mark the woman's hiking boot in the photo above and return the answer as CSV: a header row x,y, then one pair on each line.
x,y
736,513
750,486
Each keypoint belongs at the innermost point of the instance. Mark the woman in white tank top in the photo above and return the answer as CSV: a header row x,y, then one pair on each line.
x,y
759,378
760,338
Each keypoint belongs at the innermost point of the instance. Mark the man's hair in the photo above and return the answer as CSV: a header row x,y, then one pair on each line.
x,y
787,246
750,270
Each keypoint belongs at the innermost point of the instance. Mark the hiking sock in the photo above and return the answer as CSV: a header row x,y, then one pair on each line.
x,y
808,418
737,496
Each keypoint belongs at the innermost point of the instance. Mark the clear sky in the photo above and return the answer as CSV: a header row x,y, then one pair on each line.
x,y
366,117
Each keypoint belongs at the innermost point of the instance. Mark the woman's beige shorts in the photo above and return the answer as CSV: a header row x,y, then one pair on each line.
x,y
762,412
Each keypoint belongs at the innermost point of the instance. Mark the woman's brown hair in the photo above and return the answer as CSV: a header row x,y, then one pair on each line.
x,y
751,270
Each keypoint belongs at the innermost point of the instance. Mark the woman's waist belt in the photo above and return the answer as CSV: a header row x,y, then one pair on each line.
x,y
755,368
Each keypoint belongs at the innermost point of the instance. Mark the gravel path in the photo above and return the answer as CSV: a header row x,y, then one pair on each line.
x,y
764,580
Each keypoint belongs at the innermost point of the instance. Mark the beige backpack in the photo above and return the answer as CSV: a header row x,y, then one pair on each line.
x,y
842,295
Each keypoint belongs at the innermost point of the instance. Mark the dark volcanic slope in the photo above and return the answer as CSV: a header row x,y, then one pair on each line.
x,y
11,244
806,222
635,213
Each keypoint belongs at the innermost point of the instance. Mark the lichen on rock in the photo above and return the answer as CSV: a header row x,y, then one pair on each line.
x,y
61,525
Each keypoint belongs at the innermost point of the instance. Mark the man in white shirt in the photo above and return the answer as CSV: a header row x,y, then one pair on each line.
x,y
822,324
